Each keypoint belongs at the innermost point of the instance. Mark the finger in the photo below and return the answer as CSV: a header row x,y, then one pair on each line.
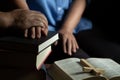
x,y
26,33
74,47
64,45
45,24
69,45
44,31
56,42
41,24
76,44
38,32
33,32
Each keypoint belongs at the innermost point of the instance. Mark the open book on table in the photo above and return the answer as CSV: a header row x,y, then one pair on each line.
x,y
72,69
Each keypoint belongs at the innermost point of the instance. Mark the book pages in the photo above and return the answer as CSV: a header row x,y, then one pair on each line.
x,y
72,68
110,67
41,57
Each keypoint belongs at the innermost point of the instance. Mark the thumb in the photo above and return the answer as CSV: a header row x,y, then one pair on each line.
x,y
56,43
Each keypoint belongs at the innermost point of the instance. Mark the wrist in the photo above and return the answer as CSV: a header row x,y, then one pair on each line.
x,y
6,19
67,29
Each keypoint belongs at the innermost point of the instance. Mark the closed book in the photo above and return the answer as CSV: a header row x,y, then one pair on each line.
x,y
24,52
28,45
24,59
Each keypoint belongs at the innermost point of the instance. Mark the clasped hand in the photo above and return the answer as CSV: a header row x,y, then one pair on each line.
x,y
32,22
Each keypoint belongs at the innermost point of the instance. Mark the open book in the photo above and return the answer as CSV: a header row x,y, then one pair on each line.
x,y
72,69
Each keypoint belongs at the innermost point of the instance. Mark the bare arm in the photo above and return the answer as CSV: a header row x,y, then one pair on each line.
x,y
24,20
35,31
20,4
74,15
5,20
71,20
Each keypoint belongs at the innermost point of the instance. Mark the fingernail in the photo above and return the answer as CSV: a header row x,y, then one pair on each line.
x,y
38,36
33,36
74,50
70,53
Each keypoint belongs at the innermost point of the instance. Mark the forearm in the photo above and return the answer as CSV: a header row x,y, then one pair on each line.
x,y
20,4
74,15
5,20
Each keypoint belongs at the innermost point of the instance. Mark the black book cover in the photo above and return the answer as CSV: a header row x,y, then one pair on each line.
x,y
21,52
27,45
23,59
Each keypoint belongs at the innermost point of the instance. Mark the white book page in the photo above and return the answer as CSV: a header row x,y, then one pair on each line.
x,y
72,67
41,57
111,68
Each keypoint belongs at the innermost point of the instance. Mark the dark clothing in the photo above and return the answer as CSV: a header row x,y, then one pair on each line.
x,y
97,46
14,73
91,45
58,54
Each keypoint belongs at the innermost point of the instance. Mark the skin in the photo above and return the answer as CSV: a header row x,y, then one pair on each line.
x,y
74,15
71,20
26,20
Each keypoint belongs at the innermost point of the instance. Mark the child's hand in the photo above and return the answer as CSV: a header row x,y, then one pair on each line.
x,y
69,42
32,22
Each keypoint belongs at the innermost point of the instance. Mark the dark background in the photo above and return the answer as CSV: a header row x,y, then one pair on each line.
x,y
105,16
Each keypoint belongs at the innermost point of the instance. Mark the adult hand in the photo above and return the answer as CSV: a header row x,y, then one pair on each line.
x,y
32,22
69,42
